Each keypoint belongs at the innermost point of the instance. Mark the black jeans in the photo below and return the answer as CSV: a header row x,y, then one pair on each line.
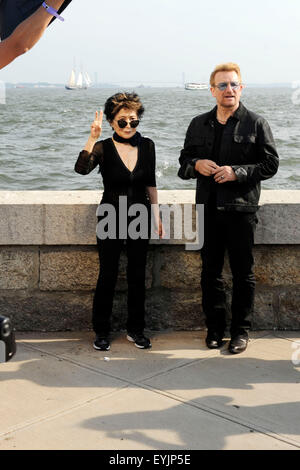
x,y
234,232
109,254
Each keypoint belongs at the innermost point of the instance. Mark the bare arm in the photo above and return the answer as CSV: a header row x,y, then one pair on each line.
x,y
27,34
152,193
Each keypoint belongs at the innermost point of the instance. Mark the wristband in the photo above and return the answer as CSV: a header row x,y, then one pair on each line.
x,y
52,11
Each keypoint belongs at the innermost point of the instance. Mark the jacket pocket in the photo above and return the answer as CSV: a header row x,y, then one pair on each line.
x,y
242,147
243,198
245,139
249,196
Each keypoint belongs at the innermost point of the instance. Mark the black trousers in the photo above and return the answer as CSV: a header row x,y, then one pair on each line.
x,y
109,254
234,232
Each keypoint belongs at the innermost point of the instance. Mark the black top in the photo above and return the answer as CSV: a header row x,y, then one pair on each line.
x,y
118,180
219,129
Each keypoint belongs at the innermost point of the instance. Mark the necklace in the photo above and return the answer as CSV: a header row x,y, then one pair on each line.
x,y
220,121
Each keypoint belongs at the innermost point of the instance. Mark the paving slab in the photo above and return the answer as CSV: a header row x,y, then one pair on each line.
x,y
35,385
170,350
59,393
260,388
139,420
293,336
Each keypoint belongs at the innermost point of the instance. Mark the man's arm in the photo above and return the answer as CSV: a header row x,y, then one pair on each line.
x,y
268,159
27,34
188,156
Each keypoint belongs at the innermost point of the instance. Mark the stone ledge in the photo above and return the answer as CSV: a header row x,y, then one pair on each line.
x,y
69,217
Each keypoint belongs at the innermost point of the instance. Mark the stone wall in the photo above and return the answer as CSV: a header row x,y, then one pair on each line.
x,y
49,264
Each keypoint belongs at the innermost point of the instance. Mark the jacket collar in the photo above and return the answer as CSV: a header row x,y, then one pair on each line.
x,y
238,115
240,112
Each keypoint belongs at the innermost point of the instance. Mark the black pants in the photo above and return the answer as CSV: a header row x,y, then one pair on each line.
x,y
234,232
109,255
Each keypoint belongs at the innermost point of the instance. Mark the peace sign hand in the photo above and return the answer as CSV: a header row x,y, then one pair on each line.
x,y
96,127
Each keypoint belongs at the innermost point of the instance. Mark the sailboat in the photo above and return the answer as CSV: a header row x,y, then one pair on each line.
x,y
82,83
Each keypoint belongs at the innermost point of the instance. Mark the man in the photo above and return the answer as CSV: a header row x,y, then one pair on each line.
x,y
22,24
229,150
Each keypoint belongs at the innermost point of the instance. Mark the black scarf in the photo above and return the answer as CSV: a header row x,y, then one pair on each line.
x,y
134,140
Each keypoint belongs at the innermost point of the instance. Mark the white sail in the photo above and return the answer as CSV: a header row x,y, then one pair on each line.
x,y
72,79
87,79
79,80
82,83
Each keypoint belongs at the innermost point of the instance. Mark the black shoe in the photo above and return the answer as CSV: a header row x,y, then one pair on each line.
x,y
101,343
214,339
139,340
238,343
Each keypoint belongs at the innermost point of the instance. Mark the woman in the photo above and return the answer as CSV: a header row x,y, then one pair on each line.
x,y
127,164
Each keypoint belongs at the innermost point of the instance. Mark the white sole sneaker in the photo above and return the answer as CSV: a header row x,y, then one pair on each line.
x,y
99,348
138,345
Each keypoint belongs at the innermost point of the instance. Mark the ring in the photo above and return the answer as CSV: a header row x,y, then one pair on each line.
x,y
222,177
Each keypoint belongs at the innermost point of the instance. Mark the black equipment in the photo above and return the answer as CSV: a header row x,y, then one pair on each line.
x,y
13,12
7,340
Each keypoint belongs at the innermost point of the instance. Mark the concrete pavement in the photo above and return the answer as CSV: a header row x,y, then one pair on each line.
x,y
59,393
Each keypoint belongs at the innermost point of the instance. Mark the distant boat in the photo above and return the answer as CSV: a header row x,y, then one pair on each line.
x,y
196,86
82,83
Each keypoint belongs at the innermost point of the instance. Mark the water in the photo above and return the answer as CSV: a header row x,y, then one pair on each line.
x,y
43,130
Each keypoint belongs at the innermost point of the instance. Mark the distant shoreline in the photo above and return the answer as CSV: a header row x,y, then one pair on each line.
x,y
39,85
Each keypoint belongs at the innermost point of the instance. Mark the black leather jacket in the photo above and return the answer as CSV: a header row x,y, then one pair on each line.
x,y
247,146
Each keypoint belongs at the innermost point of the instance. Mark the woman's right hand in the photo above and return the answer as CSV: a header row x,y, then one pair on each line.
x,y
96,127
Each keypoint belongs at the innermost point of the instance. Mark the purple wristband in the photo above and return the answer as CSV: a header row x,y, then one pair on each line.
x,y
52,11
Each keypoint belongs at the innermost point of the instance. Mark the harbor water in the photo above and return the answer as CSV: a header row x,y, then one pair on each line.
x,y
43,130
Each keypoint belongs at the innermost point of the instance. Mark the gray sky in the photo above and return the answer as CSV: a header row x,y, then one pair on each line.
x,y
156,41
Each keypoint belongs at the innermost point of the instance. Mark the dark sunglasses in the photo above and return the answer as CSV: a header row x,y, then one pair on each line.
x,y
222,86
122,123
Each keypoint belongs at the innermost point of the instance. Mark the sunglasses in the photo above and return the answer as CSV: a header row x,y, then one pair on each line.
x,y
122,123
222,86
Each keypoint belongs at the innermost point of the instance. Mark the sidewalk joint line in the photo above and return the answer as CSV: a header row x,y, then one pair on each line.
x,y
226,416
141,385
55,415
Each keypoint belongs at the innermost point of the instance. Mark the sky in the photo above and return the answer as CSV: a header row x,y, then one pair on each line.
x,y
156,42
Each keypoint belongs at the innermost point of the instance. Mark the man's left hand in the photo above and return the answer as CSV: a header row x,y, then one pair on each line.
x,y
223,174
